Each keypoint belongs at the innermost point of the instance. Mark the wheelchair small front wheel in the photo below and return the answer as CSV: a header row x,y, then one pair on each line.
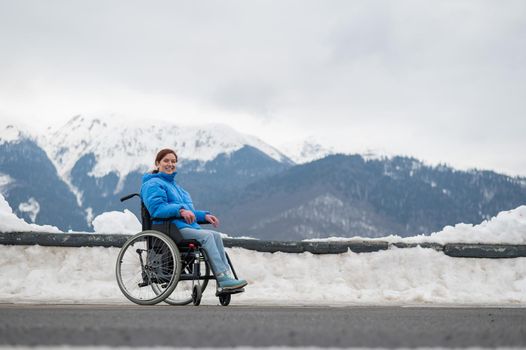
x,y
148,259
197,294
224,299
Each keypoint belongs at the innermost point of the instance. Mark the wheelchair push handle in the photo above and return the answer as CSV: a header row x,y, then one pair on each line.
x,y
125,198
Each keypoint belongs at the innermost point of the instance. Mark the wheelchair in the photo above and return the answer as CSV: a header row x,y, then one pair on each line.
x,y
157,265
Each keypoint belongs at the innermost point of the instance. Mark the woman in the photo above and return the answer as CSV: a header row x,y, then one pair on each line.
x,y
164,198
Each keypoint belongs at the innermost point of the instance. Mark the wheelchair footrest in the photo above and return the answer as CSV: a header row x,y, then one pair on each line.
x,y
220,291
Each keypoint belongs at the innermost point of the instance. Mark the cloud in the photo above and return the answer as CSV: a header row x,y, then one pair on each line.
x,y
421,78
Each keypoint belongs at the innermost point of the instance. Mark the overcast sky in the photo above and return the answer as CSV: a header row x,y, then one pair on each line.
x,y
444,81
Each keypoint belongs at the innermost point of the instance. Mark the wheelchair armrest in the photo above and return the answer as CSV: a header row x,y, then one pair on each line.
x,y
171,218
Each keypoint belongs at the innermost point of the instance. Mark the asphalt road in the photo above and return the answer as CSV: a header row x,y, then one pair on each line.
x,y
217,326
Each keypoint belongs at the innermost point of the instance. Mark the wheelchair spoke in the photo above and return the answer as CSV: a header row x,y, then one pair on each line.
x,y
146,260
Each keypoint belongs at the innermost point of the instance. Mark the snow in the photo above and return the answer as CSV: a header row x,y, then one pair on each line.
x,y
507,227
117,222
5,181
122,146
9,133
392,277
9,222
389,277
32,207
305,151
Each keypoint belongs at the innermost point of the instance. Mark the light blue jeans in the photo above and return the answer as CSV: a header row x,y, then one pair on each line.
x,y
212,243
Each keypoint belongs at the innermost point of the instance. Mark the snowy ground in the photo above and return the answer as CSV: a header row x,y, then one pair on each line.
x,y
398,276
391,277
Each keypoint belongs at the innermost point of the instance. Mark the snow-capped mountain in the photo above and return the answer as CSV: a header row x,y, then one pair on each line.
x,y
348,195
255,189
29,181
122,146
305,151
102,158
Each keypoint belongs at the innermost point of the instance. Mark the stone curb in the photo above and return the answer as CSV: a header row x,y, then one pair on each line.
x,y
463,250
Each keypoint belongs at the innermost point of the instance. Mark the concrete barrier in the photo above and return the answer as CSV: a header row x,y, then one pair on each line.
x,y
496,251
63,239
464,250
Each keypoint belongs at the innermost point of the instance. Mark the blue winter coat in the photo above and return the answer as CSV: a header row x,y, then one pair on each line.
x,y
164,198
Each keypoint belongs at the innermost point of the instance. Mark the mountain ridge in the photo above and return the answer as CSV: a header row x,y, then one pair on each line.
x,y
258,192
117,143
347,195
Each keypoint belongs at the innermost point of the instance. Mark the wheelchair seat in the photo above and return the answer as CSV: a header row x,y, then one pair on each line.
x,y
167,227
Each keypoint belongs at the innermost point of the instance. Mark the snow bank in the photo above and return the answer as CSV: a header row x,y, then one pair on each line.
x,y
393,277
53,274
117,222
508,227
9,222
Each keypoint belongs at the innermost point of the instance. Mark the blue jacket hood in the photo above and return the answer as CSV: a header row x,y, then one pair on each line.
x,y
160,175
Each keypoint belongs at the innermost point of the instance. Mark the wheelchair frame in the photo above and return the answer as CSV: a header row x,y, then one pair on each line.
x,y
170,261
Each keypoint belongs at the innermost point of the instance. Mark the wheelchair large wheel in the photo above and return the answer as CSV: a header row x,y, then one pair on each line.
x,y
148,259
182,294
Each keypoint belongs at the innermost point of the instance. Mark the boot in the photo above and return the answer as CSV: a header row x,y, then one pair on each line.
x,y
226,281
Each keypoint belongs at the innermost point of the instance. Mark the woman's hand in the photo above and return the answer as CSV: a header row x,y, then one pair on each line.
x,y
187,215
212,219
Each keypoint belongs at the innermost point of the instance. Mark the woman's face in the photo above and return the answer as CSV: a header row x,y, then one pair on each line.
x,y
167,164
